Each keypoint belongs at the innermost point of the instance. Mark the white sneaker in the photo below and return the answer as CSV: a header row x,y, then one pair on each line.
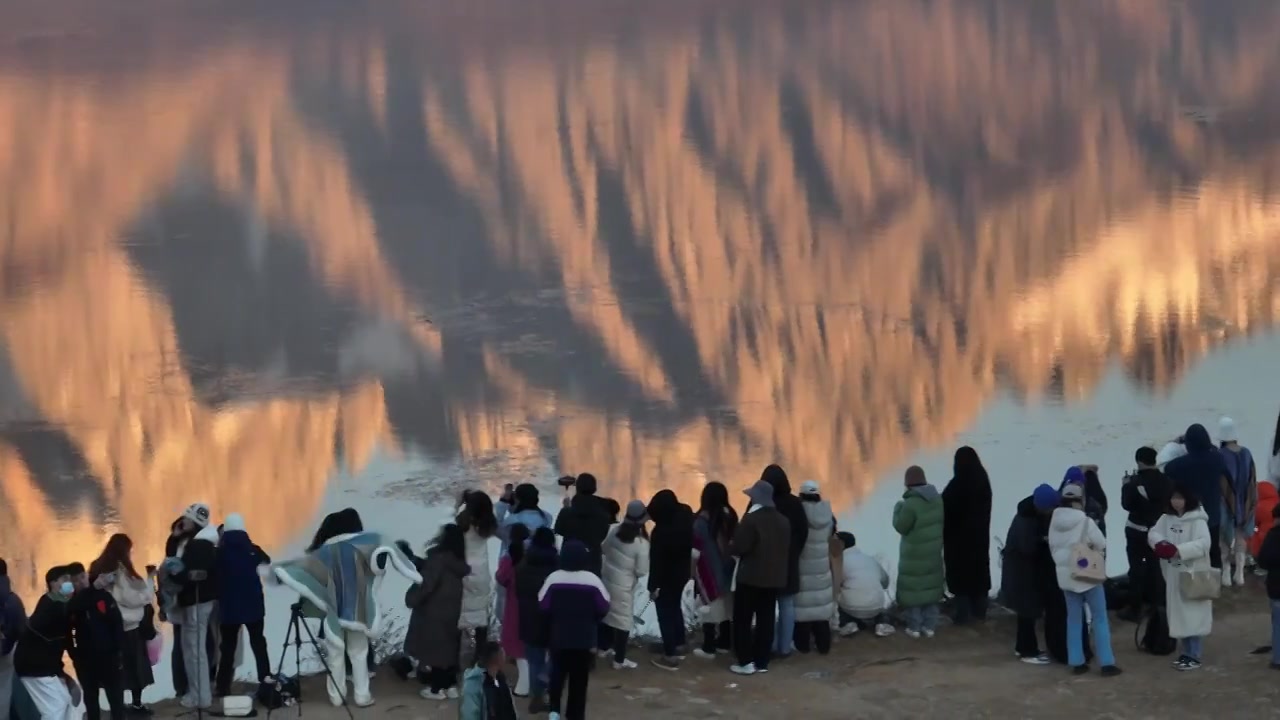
x,y
429,694
849,630
451,693
1239,577
929,633
364,702
604,653
699,652
625,665
1226,577
748,669
884,630
1041,659
554,716
913,634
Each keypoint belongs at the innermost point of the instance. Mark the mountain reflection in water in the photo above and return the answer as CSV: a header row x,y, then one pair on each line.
x,y
244,250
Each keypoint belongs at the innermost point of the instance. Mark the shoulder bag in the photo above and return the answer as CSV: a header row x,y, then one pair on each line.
x,y
1087,564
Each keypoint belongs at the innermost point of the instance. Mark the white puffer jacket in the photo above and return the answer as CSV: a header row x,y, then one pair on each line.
x,y
624,565
863,592
477,586
1190,534
1066,528
132,596
816,599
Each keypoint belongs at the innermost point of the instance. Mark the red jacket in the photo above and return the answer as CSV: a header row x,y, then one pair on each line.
x,y
1267,500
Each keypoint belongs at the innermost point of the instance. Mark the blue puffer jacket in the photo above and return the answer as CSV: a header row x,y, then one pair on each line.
x,y
239,585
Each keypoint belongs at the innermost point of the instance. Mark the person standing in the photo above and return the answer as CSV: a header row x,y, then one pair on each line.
x,y
670,569
512,647
918,517
519,506
240,601
1028,576
575,602
966,536
587,518
1203,472
13,619
37,659
815,603
1269,560
789,506
761,544
535,567
626,560
1068,528
1145,495
1243,473
1181,540
133,595
183,530
199,581
713,530
479,524
97,644
433,638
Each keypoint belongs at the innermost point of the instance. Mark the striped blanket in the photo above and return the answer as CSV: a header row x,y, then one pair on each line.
x,y
338,578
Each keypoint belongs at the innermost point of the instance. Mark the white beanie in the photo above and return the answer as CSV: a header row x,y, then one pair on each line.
x,y
234,521
1227,430
197,513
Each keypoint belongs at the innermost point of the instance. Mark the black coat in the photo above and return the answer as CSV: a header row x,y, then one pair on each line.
x,y
587,520
1269,560
966,533
199,556
435,606
670,543
531,575
790,507
1146,496
1028,577
46,637
96,632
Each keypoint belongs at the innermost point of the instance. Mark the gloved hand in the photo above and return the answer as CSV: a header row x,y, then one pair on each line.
x,y
1165,550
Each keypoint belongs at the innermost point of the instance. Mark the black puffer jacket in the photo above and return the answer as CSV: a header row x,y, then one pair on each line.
x,y
587,520
531,574
199,576
1028,574
670,543
790,507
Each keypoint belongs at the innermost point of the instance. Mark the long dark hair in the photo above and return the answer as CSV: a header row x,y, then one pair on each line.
x,y
526,497
450,539
115,555
343,522
714,504
477,514
515,548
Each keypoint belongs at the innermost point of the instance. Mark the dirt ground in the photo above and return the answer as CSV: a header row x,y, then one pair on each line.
x,y
967,672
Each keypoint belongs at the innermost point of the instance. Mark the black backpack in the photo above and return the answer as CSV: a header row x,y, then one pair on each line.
x,y
1152,634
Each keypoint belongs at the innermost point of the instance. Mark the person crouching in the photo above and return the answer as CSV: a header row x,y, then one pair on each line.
x,y
486,695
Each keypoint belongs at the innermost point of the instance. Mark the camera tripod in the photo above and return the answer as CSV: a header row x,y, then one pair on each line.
x,y
297,626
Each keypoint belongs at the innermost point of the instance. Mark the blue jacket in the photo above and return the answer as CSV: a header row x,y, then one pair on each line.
x,y
532,518
575,602
239,585
1201,470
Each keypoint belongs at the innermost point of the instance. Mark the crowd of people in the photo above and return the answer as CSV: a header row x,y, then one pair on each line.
x,y
777,578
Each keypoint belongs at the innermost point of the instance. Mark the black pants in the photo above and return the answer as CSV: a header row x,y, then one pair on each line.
x,y
1215,547
670,621
820,630
111,681
1027,645
620,639
970,607
717,637
604,637
1055,628
180,683
754,644
227,662
440,679
574,668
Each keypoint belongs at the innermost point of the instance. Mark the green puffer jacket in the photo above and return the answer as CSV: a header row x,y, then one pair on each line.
x,y
918,519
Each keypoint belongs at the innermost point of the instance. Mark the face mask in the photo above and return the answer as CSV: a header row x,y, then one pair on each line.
x,y
66,589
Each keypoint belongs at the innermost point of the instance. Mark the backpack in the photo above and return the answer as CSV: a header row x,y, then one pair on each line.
x,y
1152,634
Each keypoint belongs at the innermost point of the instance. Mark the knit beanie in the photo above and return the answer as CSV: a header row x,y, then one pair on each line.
x,y
1074,475
1044,497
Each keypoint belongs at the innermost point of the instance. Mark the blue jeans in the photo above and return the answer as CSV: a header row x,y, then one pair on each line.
x,y
784,631
1193,647
920,618
1096,598
1275,632
537,659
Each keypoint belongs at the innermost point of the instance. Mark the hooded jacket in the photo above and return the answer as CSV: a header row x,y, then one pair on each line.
x,y
624,564
816,599
240,599
531,574
966,537
587,520
45,638
1268,498
199,577
1188,532
574,600
1268,556
1243,473
864,586
789,506
1145,495
918,518
670,543
1202,470
435,604
13,617
1028,573
1068,527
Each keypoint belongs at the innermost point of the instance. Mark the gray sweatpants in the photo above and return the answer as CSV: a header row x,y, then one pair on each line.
x,y
195,626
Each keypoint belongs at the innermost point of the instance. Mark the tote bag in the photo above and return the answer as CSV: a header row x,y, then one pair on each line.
x,y
1087,564
1200,584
